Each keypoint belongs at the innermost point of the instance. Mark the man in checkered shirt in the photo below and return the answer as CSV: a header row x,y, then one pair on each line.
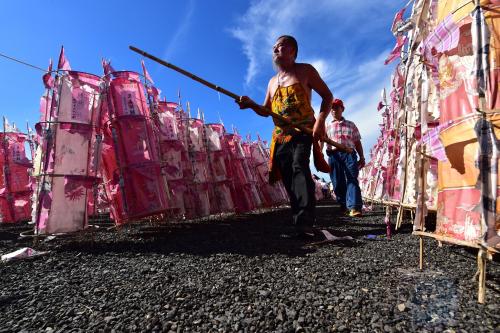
x,y
345,166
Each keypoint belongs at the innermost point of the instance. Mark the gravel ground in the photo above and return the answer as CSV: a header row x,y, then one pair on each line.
x,y
237,274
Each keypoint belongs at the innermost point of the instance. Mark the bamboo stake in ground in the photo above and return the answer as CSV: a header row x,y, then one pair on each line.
x,y
423,161
388,226
237,97
421,242
481,265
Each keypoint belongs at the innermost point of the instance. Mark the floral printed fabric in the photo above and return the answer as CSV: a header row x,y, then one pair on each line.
x,y
292,103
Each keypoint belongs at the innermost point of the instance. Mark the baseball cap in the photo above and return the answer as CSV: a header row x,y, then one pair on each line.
x,y
338,102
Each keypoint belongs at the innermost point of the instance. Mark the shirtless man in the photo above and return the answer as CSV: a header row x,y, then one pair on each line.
x,y
289,95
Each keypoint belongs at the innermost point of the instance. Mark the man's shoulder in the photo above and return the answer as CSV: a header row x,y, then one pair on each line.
x,y
349,122
305,73
343,122
304,66
332,124
273,79
271,85
352,125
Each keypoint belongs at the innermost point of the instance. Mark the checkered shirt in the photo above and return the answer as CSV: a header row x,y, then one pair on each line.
x,y
344,132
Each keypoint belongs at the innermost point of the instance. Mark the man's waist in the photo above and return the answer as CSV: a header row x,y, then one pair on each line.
x,y
346,142
290,130
333,150
293,122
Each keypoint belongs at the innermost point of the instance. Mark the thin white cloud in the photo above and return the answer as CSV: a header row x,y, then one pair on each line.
x,y
180,32
363,96
363,111
360,89
323,67
258,28
265,20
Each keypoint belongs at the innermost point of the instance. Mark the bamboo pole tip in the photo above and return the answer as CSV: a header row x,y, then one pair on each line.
x,y
135,49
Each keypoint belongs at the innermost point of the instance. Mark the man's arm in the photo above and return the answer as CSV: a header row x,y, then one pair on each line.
x,y
318,85
267,102
246,102
359,150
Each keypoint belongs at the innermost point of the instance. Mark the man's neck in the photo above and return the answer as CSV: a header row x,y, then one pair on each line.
x,y
286,68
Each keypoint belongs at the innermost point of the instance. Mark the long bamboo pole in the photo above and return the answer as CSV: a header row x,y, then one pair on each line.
x,y
236,97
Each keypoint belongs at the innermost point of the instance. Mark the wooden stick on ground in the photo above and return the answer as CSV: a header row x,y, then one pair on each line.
x,y
236,97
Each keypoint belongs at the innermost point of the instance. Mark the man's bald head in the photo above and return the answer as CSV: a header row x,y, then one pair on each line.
x,y
291,41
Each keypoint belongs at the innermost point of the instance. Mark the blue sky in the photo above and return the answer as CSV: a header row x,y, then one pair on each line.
x,y
226,42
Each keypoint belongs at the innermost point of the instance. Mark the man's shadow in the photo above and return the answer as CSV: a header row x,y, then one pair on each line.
x,y
252,234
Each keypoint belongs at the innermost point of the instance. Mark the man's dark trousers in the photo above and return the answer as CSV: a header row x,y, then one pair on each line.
x,y
292,160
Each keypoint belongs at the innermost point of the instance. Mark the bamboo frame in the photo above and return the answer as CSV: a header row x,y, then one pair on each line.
x,y
399,218
95,100
30,142
397,204
446,239
209,158
50,148
153,110
484,253
111,110
6,171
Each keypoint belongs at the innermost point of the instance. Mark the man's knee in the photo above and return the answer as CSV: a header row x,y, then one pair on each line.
x,y
300,162
301,168
352,176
